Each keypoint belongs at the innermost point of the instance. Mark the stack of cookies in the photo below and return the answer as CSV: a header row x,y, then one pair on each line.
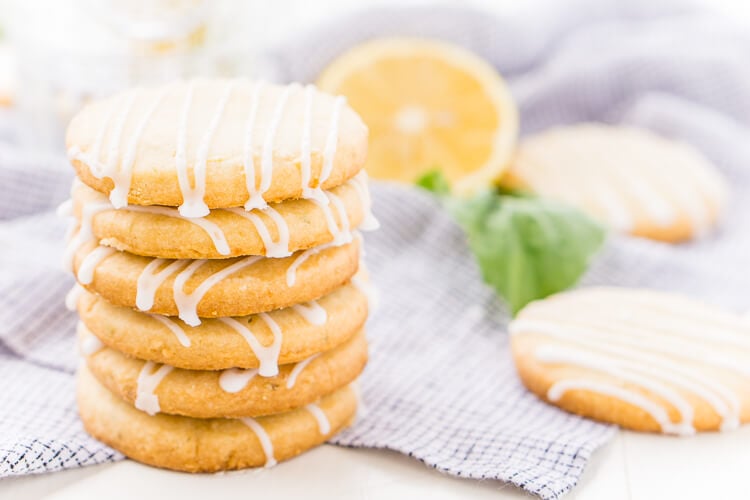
x,y
217,260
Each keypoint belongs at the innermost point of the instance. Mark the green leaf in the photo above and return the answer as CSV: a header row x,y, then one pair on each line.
x,y
435,182
527,247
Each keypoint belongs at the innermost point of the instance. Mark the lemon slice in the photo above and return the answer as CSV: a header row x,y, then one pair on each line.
x,y
429,105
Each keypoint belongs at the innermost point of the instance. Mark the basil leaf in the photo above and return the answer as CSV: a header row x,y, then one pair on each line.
x,y
527,247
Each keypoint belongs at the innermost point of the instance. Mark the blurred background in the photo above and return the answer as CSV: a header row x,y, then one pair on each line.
x,y
57,55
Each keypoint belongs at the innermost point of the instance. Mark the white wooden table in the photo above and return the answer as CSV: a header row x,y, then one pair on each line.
x,y
633,466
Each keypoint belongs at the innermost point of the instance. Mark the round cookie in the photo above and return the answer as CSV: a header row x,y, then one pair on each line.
x,y
216,143
644,360
194,289
279,230
209,445
227,393
630,179
215,344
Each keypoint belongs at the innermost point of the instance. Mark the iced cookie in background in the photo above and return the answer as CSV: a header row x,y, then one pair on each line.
x,y
429,105
631,179
216,246
644,360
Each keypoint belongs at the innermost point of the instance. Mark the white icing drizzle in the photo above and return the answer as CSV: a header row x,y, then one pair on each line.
x,y
75,185
603,364
150,280
255,198
657,412
644,340
724,402
187,303
90,344
148,380
291,272
364,286
92,158
72,297
182,337
298,369
306,152
341,235
331,141
648,198
265,440
193,204
685,194
613,204
69,231
84,234
639,178
266,159
344,235
591,193
275,249
180,157
234,380
674,320
123,176
218,238
324,426
361,408
359,182
113,155
268,356
99,169
93,259
65,209
604,192
634,338
312,312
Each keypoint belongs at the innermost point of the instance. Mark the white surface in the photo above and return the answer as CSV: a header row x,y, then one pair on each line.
x,y
633,466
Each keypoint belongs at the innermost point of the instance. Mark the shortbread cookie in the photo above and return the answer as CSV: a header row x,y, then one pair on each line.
x,y
644,360
154,388
630,179
216,344
216,143
209,445
194,289
277,231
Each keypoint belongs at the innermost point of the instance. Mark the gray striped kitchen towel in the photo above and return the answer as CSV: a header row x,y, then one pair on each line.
x,y
440,385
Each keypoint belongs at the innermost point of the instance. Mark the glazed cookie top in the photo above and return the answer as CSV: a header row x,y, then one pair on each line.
x,y
216,143
631,179
643,359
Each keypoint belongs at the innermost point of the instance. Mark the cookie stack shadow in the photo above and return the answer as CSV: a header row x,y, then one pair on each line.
x,y
217,255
